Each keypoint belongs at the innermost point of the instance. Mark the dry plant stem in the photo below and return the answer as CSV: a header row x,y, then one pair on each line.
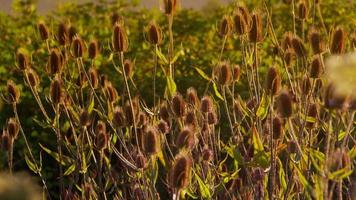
x,y
10,156
227,111
349,126
322,19
255,65
38,170
327,148
293,14
101,186
154,79
59,148
171,46
272,172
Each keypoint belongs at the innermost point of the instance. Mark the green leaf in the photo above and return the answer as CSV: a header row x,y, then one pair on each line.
x,y
171,85
69,170
217,93
91,106
341,135
203,188
262,110
340,174
30,164
202,73
175,58
257,143
65,160
161,56
303,180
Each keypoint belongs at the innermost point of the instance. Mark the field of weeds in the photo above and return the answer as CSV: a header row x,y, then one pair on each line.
x,y
253,100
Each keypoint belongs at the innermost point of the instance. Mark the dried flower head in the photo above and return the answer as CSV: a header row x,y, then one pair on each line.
x,y
170,6
93,50
178,105
6,142
56,91
207,154
111,92
13,93
78,47
84,118
299,47
212,118
163,127
206,104
316,41
285,104
141,161
236,73
13,128
164,113
55,63
100,127
185,139
240,24
225,27
120,42
338,41
190,119
192,97
302,10
273,81
101,141
287,40
151,144
255,34
179,175
153,34
313,113
277,128
43,30
224,73
22,60
128,67
93,76
316,67
72,33
305,85
289,57
334,99
63,34
119,117
33,78
116,19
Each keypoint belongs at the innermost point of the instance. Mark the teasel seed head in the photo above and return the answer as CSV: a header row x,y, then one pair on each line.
x,y
185,139
305,85
56,91
207,154
224,73
255,34
6,142
192,97
299,47
170,6
142,119
180,172
316,68
93,75
163,127
190,119
164,113
111,92
302,10
13,128
120,42
246,15
287,40
63,34
333,99
93,50
313,112
72,33
236,73
33,78
240,24
13,93
212,118
273,81
119,117
206,104
101,141
225,27
292,146
316,41
151,143
153,34
22,60
43,30
289,57
78,47
116,19
100,127
84,118
338,41
129,115
178,105
128,67
285,104
55,64
141,161
277,128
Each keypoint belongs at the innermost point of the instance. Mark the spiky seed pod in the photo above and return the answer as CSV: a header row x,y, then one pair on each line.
x,y
119,117
84,118
192,97
22,60
72,32
273,81
100,127
93,50
206,104
299,47
305,85
170,6
178,105
111,92
163,127
151,144
313,112
338,159
207,154
142,119
6,142
55,62
116,19
292,147
285,104
255,34
43,30
141,161
56,91
289,56
287,40
302,10
104,80
78,47
332,99
224,73
13,128
212,118
185,139
93,76
236,73
63,34
246,15
128,67
316,67
179,175
316,41
240,24
129,115
13,93
338,41
190,119
101,141
164,113
81,80
225,27
277,128
238,108
120,42
33,78
154,34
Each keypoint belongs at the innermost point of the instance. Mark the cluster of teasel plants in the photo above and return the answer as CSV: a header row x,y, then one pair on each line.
x,y
292,138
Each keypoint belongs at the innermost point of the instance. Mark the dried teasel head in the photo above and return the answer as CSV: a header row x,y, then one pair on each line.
x,y
206,104
256,34
164,113
207,154
56,91
141,161
93,49
22,60
13,93
273,81
32,78
55,63
101,141
240,23
128,67
120,42
289,57
212,118
224,73
312,113
225,26
316,67
277,128
111,92
298,47
285,104
153,34
191,119
170,6
180,172
338,41
119,117
185,139
63,33
178,105
192,97
142,119
302,10
163,127
78,47
287,40
43,30
305,85
94,79
6,142
13,128
236,73
316,41
100,127
72,33
246,15
151,143
84,118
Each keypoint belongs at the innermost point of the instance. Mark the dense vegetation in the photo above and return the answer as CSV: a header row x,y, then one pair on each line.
x,y
109,101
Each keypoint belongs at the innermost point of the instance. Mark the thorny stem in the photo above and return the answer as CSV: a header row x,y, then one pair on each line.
x,y
272,172
154,78
59,148
227,111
